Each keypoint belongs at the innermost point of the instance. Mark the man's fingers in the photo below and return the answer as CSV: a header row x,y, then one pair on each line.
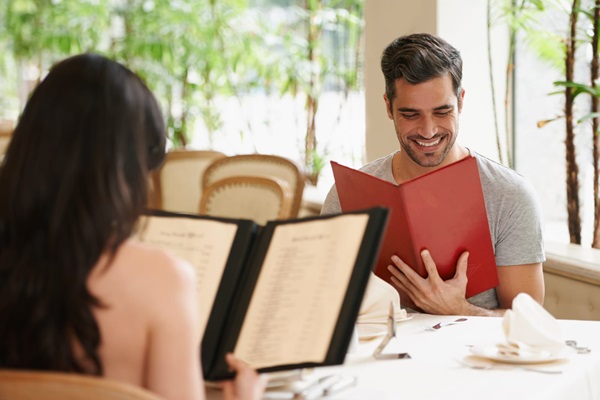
x,y
397,277
430,266
461,265
405,269
403,287
400,279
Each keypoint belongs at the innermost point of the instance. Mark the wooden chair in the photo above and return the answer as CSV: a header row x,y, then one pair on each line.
x,y
175,184
258,165
35,385
250,197
6,130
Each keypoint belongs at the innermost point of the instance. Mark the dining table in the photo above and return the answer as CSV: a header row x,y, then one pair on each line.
x,y
441,364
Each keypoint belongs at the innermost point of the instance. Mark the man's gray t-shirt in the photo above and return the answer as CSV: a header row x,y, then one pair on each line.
x,y
513,211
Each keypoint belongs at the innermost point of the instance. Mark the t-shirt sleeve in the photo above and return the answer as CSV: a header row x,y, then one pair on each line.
x,y
331,205
519,238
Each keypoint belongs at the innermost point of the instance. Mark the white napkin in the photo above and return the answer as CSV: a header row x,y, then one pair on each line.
x,y
530,329
375,307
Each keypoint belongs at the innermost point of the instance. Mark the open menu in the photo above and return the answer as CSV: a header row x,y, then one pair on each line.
x,y
281,296
442,211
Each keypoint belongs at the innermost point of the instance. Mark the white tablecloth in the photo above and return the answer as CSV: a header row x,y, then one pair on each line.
x,y
433,371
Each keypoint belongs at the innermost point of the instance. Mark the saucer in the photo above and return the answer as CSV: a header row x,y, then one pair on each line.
x,y
499,354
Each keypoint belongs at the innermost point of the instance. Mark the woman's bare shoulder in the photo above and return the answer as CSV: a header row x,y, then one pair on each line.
x,y
139,268
151,259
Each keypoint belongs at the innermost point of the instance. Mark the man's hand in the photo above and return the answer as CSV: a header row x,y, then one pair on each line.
x,y
432,294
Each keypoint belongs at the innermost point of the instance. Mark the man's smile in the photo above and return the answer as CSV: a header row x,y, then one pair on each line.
x,y
428,144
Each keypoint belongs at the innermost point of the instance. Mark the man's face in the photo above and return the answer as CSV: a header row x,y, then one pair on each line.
x,y
425,117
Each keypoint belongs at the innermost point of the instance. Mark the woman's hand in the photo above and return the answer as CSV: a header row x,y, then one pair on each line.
x,y
247,384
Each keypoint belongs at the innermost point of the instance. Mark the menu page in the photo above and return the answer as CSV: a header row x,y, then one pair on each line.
x,y
203,243
300,291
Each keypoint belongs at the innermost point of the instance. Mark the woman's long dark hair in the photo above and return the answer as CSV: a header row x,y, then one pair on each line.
x,y
73,183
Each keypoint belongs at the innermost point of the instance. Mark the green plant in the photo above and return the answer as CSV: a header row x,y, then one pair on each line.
x,y
39,33
195,53
307,67
521,18
183,49
562,49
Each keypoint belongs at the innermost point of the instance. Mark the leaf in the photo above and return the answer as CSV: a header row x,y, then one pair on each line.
x,y
588,116
579,88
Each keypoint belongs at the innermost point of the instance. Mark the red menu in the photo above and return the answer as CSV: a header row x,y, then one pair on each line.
x,y
442,211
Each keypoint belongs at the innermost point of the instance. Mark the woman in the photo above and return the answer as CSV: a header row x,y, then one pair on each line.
x,y
77,294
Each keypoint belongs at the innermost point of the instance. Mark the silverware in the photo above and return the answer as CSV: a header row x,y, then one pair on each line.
x,y
325,386
579,349
442,324
316,388
391,333
337,387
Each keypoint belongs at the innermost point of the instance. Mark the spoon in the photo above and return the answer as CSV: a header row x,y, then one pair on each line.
x,y
442,324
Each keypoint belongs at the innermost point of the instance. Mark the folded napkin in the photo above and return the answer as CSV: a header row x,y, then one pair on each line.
x,y
375,307
530,329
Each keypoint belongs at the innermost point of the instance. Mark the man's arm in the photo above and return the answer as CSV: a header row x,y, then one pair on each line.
x,y
331,204
435,296
514,279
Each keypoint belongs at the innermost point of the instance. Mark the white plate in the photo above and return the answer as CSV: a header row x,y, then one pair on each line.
x,y
492,352
408,316
383,321
368,331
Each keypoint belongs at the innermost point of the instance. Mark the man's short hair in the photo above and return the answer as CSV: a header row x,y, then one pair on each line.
x,y
418,58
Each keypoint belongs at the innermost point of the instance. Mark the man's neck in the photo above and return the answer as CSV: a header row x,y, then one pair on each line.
x,y
405,169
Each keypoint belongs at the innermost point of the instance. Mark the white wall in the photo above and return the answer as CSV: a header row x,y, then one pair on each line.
x,y
463,23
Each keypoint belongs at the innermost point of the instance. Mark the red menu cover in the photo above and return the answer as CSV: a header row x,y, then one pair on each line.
x,y
442,211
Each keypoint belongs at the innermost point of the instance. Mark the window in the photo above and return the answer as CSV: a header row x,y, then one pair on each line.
x,y
268,76
540,151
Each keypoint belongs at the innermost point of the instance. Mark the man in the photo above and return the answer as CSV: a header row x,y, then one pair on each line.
x,y
424,99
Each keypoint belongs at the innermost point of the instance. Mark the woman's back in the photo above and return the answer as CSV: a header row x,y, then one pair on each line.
x,y
149,320
77,294
73,183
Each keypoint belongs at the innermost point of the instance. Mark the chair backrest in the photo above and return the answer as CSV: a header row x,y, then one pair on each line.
x,y
250,197
175,184
6,130
34,385
258,165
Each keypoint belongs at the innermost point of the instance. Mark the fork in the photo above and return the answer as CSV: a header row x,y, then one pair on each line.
x,y
442,324
580,350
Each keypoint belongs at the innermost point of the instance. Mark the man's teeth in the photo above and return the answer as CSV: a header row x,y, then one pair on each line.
x,y
428,144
